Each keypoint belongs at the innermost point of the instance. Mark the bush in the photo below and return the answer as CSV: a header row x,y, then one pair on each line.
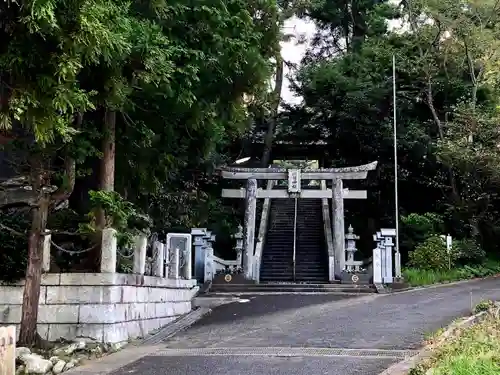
x,y
432,255
469,252
416,228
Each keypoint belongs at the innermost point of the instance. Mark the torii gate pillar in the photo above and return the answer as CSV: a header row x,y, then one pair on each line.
x,y
338,225
249,225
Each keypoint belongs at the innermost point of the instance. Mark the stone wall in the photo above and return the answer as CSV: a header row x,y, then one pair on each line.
x,y
108,307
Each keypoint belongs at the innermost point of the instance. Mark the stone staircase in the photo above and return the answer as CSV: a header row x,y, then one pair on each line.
x,y
277,255
311,260
312,254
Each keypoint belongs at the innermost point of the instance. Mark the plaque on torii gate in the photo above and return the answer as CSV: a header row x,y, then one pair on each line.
x,y
294,176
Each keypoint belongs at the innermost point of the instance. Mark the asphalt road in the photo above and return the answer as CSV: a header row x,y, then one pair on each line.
x,y
320,334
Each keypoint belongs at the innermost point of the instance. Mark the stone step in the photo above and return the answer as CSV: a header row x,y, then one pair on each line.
x,y
289,269
292,287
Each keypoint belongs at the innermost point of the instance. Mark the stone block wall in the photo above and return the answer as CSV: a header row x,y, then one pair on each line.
x,y
107,307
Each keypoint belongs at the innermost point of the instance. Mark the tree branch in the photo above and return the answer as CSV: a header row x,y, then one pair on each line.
x,y
12,231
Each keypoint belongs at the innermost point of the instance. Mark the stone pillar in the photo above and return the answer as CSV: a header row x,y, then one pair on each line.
x,y
377,265
249,239
187,271
199,247
338,226
209,265
108,251
46,252
174,263
140,246
388,244
166,254
159,259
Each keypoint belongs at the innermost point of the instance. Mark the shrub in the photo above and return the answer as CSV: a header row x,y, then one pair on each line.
x,y
469,252
432,255
483,306
416,228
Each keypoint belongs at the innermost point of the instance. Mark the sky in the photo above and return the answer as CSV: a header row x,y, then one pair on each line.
x,y
293,52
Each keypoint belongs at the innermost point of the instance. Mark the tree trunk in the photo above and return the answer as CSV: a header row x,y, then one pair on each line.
x,y
107,177
31,296
107,174
269,138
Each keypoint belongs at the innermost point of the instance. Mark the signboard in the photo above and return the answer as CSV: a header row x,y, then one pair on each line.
x,y
294,183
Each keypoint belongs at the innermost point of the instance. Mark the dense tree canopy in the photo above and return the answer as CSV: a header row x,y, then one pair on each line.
x,y
447,104
153,89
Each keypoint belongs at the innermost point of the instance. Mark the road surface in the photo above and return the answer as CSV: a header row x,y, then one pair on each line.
x,y
313,334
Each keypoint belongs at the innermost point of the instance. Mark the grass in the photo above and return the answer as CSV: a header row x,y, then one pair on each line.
x,y
419,277
473,351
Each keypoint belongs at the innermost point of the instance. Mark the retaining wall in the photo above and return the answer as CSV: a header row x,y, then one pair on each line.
x,y
107,307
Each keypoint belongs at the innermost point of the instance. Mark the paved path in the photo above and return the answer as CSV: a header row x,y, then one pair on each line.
x,y
320,334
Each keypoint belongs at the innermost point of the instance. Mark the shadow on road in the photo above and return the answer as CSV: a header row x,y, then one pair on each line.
x,y
255,306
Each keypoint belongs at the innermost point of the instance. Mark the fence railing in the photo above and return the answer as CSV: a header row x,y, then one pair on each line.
x,y
7,350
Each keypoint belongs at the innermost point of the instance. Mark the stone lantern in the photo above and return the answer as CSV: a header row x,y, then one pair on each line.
x,y
351,239
239,245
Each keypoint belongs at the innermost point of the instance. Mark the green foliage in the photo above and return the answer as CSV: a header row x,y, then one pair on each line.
x,y
432,255
483,306
421,277
469,251
471,350
14,249
416,228
447,98
120,215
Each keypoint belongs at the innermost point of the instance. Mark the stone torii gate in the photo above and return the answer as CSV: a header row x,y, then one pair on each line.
x,y
294,176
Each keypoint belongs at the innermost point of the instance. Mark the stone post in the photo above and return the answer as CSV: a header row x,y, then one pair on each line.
x,y
338,226
159,259
209,265
377,263
199,258
108,251
140,247
174,265
249,239
167,255
46,252
387,235
187,271
388,244
239,245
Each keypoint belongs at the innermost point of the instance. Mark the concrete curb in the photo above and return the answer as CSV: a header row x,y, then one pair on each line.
x,y
433,286
115,361
405,366
144,348
237,294
175,327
